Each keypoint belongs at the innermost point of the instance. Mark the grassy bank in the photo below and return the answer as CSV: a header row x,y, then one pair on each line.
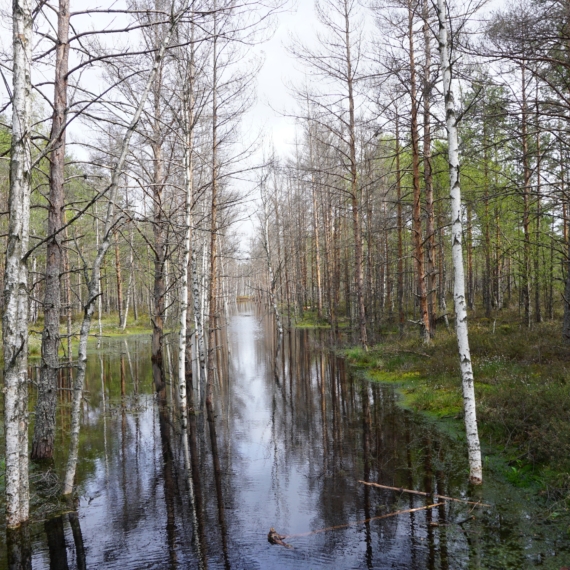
x,y
109,325
522,382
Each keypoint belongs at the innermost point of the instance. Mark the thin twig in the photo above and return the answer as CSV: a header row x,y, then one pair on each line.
x,y
423,494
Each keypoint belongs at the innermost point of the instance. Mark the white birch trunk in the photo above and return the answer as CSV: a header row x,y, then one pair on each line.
x,y
166,293
100,296
94,283
15,319
473,446
225,295
183,338
129,293
199,320
130,286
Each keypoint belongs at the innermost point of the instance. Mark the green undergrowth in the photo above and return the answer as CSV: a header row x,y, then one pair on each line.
x,y
110,329
310,320
522,385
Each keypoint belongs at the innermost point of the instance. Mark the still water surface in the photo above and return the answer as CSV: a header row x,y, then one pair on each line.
x,y
294,435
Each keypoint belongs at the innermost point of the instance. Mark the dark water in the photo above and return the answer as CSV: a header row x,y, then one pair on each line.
x,y
293,438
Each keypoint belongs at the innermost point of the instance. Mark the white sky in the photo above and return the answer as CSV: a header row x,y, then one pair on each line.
x,y
278,71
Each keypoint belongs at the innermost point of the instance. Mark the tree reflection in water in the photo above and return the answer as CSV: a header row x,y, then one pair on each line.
x,y
289,435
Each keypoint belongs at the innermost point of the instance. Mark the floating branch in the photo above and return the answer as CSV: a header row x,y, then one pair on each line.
x,y
424,494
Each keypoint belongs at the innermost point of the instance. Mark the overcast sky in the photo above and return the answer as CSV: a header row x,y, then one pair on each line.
x,y
278,70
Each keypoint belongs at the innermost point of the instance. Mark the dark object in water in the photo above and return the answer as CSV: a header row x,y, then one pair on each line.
x,y
275,538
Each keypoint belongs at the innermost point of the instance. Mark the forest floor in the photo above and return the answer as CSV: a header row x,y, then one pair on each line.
x,y
522,384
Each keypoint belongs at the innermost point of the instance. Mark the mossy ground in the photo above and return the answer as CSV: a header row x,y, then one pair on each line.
x,y
110,328
522,384
310,320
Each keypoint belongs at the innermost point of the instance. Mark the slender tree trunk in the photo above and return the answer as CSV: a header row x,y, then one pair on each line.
x,y
159,290
184,337
473,445
15,319
272,278
316,236
431,276
44,428
487,288
527,174
199,321
213,281
355,191
470,272
159,245
442,278
68,297
499,262
119,279
388,265
417,210
131,283
537,248
99,297
400,294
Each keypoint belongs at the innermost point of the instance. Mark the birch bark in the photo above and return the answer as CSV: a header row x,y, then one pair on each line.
x,y
213,282
15,319
473,446
183,360
199,321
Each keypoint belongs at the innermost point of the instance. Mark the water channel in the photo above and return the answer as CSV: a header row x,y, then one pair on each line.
x,y
295,435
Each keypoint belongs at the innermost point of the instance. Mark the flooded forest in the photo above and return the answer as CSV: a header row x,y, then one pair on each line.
x,y
285,284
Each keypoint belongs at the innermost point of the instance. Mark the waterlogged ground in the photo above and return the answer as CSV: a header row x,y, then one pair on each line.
x,y
294,435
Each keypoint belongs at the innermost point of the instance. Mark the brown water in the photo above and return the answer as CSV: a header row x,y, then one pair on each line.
x,y
293,438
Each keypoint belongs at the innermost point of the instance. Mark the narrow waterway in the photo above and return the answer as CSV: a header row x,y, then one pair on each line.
x,y
295,433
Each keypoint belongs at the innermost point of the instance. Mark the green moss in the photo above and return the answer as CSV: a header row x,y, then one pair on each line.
x,y
522,385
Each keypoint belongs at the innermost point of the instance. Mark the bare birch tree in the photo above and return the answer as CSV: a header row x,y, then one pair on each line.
x,y
467,381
